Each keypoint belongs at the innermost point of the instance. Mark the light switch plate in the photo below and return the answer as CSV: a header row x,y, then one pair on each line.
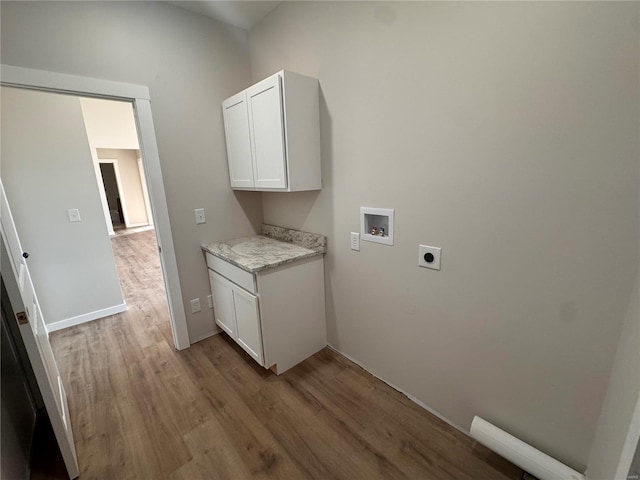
x,y
195,305
74,215
200,216
424,260
355,241
210,300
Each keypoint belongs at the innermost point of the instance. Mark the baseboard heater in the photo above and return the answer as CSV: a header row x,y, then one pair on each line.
x,y
523,455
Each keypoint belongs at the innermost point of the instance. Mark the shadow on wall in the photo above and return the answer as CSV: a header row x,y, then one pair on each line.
x,y
247,201
313,210
326,150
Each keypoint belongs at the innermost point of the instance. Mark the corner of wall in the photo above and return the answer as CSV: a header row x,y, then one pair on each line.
x,y
618,428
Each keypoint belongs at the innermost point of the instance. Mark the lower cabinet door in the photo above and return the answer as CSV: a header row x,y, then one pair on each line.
x,y
222,290
248,323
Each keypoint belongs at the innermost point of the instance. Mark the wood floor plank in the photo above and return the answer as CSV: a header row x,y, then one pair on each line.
x,y
142,410
259,450
196,363
114,449
161,387
211,441
371,436
386,415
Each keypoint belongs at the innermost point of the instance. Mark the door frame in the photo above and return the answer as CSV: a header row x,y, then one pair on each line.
x,y
145,192
139,97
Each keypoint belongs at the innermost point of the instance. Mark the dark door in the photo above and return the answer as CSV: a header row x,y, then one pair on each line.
x,y
17,398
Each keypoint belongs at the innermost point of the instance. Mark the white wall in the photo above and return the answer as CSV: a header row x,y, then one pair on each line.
x,y
507,134
131,182
110,124
47,169
190,64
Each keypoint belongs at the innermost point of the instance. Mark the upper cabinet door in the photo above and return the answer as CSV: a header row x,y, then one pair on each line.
x,y
267,132
236,129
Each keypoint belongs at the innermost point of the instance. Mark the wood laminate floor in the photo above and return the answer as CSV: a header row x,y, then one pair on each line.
x,y
141,410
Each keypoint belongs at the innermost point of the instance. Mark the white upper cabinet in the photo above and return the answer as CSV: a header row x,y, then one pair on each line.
x,y
236,129
272,131
266,129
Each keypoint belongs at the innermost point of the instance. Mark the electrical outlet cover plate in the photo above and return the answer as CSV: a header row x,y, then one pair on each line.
x,y
74,215
200,218
435,251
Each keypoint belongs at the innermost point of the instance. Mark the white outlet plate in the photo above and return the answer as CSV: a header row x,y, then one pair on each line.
x,y
355,241
200,216
210,300
435,251
195,305
74,215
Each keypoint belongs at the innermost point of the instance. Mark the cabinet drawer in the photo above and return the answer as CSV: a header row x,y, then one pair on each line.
x,y
233,273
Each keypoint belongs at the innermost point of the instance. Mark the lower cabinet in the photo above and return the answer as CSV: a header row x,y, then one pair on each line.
x,y
276,315
236,312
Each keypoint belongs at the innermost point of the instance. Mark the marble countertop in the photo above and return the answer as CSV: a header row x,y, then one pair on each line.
x,y
275,247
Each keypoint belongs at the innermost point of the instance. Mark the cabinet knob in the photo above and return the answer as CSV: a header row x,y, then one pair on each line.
x,y
25,255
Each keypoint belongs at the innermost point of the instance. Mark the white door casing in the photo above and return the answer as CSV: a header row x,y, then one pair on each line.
x,y
145,192
138,95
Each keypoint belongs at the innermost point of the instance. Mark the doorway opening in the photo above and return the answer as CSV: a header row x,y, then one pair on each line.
x,y
51,152
84,158
120,176
139,98
112,191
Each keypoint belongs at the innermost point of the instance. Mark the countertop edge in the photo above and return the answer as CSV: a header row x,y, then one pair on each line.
x,y
313,253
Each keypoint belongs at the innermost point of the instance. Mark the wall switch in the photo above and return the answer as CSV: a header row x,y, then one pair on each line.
x,y
74,215
210,300
195,305
200,216
355,241
429,257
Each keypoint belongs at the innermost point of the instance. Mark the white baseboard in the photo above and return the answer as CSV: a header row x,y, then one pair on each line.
x,y
136,225
86,317
203,336
408,395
